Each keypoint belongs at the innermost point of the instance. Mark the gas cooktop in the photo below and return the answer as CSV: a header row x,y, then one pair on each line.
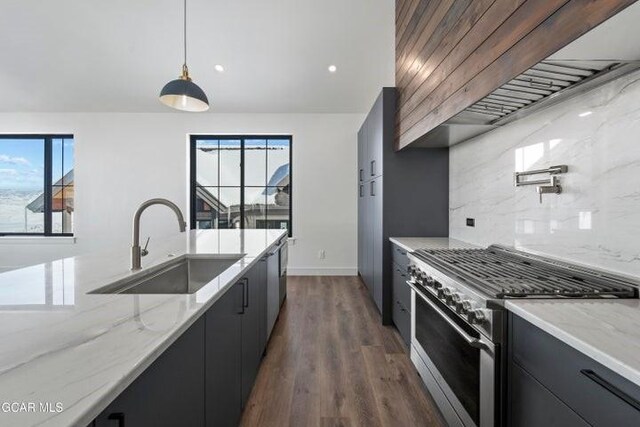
x,y
503,272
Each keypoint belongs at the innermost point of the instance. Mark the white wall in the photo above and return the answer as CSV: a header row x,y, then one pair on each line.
x,y
123,159
596,220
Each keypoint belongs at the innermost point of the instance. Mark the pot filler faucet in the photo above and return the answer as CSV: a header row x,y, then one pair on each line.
x,y
543,186
136,251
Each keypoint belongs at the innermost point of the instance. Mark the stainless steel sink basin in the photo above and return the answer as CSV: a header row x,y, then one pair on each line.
x,y
182,276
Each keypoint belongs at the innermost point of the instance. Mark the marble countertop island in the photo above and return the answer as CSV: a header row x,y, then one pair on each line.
x,y
75,352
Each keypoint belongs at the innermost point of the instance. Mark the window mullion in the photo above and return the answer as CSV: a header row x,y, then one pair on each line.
x,y
192,173
242,183
48,167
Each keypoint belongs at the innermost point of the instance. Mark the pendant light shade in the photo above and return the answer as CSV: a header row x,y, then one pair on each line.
x,y
182,93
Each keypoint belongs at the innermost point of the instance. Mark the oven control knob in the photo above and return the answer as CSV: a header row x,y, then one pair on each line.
x,y
444,293
437,285
464,306
454,298
476,316
418,277
428,280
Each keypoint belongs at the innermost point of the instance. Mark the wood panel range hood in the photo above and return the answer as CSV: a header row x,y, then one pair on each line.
x,y
447,98
545,84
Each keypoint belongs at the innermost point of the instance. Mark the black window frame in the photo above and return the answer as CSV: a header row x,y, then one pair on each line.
x,y
192,172
48,181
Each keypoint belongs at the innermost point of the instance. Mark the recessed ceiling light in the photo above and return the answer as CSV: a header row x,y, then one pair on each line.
x,y
585,114
333,68
219,68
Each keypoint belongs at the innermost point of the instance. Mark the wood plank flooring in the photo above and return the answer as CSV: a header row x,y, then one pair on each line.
x,y
330,362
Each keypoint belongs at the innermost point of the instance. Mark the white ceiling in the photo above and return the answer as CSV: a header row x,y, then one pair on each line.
x,y
97,55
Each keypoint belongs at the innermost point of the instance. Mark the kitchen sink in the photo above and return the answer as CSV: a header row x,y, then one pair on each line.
x,y
182,276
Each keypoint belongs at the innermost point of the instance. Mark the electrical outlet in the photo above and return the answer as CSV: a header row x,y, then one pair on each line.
x,y
471,222
321,254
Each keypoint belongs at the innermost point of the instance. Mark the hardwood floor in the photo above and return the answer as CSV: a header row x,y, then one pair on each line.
x,y
330,362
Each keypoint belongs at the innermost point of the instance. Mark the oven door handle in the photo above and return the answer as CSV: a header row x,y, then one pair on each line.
x,y
473,342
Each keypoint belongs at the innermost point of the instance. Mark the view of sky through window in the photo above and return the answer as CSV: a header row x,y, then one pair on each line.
x,y
22,184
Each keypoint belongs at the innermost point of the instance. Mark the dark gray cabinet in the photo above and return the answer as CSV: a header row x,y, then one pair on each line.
x,y
597,395
401,293
375,140
363,155
399,256
532,405
273,289
236,337
254,325
206,375
377,226
400,194
170,392
223,364
362,210
365,238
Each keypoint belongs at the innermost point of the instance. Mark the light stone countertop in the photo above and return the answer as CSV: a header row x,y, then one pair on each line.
x,y
607,331
60,344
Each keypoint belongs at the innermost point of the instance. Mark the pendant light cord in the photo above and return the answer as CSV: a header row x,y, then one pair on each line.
x,y
185,32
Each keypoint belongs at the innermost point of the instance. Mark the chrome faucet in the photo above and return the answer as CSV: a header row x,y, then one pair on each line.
x,y
136,251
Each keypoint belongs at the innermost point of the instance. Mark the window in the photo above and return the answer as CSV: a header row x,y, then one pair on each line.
x,y
36,185
241,182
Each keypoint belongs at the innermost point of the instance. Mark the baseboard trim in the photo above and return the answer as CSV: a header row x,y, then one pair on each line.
x,y
322,271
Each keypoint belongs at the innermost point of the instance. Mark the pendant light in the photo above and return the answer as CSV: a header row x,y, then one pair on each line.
x,y
182,93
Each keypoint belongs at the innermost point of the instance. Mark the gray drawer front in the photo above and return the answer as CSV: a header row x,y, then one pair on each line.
x,y
400,256
402,320
401,291
532,405
596,393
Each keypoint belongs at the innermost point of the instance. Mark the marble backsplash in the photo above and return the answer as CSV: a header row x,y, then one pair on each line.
x,y
596,219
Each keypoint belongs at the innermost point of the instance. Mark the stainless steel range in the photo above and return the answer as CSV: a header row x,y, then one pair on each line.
x,y
458,325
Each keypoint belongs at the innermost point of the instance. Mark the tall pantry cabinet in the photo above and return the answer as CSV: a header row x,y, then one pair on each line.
x,y
400,194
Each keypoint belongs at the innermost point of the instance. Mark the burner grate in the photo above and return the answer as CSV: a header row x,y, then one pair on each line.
x,y
506,273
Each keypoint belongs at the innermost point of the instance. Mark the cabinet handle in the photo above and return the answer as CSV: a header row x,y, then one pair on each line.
x,y
610,388
245,293
117,416
241,283
360,174
373,163
372,190
361,190
246,281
